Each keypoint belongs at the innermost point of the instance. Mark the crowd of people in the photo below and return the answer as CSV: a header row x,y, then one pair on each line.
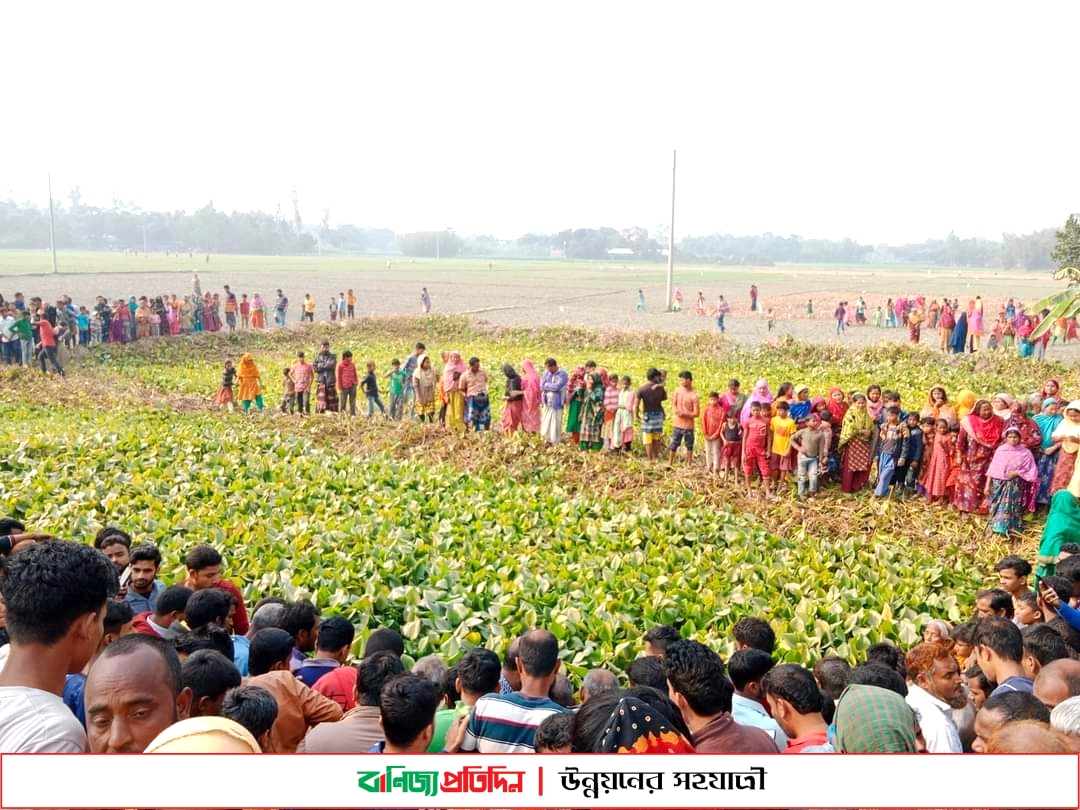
x,y
100,655
1001,456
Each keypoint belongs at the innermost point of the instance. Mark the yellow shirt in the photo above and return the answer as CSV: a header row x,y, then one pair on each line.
x,y
783,428
309,305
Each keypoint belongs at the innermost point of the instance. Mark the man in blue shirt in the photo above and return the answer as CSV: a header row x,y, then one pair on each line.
x,y
144,588
747,668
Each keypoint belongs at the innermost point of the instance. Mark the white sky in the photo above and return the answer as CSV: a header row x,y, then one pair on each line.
x,y
880,121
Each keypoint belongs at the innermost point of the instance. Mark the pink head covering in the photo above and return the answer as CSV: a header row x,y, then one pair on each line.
x,y
1010,458
761,394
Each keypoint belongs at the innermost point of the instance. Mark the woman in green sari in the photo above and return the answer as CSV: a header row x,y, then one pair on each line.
x,y
592,413
1062,524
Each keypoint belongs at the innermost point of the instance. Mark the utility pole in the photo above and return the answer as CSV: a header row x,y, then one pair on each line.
x,y
671,236
436,245
52,228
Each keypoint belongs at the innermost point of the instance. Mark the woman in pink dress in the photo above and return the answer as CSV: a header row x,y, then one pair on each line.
x,y
530,385
976,326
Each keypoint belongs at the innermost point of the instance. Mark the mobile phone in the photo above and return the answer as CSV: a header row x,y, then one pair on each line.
x,y
125,577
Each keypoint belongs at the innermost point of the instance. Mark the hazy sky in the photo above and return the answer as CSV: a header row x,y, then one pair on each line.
x,y
879,121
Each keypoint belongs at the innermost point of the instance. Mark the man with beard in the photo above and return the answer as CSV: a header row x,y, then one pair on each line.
x,y
934,689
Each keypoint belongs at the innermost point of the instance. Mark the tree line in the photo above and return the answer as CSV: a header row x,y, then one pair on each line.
x,y
126,227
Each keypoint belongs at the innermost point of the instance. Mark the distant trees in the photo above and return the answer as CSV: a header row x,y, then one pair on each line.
x,y
124,226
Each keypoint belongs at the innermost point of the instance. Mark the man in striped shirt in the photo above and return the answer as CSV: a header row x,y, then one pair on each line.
x,y
506,723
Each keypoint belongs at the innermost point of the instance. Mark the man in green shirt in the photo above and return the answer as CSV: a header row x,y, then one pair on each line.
x,y
22,329
477,675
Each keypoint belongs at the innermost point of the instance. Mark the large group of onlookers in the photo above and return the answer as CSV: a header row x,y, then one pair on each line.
x,y
100,655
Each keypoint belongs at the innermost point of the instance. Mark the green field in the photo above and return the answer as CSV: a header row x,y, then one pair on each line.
x,y
469,541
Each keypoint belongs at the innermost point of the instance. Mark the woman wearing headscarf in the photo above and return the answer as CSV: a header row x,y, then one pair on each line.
x,y
1002,405
761,394
872,720
937,405
575,396
874,403
424,383
1062,525
622,429
1010,474
1046,458
800,408
980,434
1051,388
455,397
958,341
856,433
204,735
978,326
258,312
1068,434
513,400
624,723
530,408
250,383
592,413
965,402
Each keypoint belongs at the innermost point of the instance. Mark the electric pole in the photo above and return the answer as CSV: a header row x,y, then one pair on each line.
x,y
52,228
671,236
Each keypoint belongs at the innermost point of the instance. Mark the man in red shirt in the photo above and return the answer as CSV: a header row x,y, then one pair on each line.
x,y
47,345
795,703
204,571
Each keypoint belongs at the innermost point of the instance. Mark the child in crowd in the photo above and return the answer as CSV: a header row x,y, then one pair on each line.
x,y
555,734
812,445
908,473
732,438
224,396
940,455
1026,610
781,429
771,319
288,397
756,439
397,389
893,438
712,425
370,384
83,321
245,312
611,407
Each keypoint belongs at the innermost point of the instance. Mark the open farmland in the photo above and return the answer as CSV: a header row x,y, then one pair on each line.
x,y
513,292
459,540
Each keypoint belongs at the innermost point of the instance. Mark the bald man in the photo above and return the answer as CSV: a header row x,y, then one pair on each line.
x,y
1057,682
1027,737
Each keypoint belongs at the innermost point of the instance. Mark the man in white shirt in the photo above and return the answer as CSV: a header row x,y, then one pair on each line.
x,y
934,689
55,593
746,668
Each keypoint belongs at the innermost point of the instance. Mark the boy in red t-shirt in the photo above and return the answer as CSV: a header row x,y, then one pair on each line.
x,y
755,446
712,423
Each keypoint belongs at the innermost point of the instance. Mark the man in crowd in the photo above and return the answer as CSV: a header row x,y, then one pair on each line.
x,y
1013,573
1057,682
658,638
993,602
999,710
999,652
796,702
332,646
407,714
747,668
118,621
166,620
1042,645
510,678
553,384
55,595
299,707
699,688
506,723
145,588
477,675
15,538
647,671
359,729
209,675
134,692
116,545
204,571
934,690
302,623
474,383
598,682
254,708
753,632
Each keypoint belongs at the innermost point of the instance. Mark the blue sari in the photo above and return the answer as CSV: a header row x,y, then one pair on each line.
x,y
958,342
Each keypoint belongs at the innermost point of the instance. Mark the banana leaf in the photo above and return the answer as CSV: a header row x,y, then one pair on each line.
x,y
1060,310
